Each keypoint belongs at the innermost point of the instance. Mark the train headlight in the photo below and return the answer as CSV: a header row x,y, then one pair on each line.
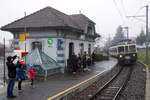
x,y
121,56
134,55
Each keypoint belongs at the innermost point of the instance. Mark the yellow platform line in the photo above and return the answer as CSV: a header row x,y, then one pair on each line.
x,y
65,91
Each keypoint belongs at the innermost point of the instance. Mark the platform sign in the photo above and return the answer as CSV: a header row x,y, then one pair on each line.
x,y
27,34
59,44
22,38
50,42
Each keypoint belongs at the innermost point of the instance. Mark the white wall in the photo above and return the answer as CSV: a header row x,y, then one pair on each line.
x,y
77,46
52,51
39,33
43,33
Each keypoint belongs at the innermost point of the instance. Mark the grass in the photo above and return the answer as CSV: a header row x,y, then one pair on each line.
x,y
142,56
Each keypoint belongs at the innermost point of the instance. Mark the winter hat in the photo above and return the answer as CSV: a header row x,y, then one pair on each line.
x,y
9,58
21,61
31,66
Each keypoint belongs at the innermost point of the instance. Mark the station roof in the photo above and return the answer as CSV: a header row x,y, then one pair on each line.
x,y
49,18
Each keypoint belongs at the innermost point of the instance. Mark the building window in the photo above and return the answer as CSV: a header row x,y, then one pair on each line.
x,y
89,31
37,44
89,50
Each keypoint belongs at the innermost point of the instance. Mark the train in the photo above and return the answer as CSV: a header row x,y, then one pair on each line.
x,y
126,53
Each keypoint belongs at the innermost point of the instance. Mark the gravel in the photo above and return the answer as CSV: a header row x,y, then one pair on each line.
x,y
135,89
87,93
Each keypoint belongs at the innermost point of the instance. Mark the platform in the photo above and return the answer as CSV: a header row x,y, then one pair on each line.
x,y
59,83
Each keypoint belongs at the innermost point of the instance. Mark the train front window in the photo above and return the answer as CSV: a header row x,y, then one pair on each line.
x,y
132,48
120,49
126,48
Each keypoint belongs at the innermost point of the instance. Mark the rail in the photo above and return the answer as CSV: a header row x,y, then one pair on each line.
x,y
111,87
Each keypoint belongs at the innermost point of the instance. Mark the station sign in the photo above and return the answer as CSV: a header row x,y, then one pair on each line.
x,y
50,42
59,44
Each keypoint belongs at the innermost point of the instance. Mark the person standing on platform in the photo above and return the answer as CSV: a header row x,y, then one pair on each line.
x,y
11,76
84,61
32,74
74,63
79,62
93,58
89,64
20,74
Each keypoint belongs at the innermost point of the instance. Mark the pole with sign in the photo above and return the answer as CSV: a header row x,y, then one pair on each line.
x,y
4,76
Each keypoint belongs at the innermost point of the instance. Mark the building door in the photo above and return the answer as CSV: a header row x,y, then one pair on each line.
x,y
37,44
71,49
89,50
81,49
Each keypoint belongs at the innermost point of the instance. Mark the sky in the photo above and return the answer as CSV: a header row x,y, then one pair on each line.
x,y
107,14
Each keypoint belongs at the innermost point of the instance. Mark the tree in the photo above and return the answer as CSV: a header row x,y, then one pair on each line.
x,y
141,38
119,35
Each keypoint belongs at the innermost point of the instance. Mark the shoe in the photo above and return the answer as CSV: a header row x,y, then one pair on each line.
x,y
20,91
14,96
32,86
11,96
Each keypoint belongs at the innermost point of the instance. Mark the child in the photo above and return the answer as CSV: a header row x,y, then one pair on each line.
x,y
20,74
32,73
89,64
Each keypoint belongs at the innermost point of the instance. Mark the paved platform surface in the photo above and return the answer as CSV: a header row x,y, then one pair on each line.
x,y
147,95
58,83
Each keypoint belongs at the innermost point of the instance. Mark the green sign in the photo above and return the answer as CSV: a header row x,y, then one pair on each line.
x,y
50,42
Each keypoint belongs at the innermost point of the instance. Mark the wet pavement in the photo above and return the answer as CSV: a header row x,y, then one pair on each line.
x,y
58,83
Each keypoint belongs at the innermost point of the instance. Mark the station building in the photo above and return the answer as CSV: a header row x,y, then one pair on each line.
x,y
54,33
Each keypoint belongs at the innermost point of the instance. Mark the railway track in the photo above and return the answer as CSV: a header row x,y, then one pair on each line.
x,y
112,89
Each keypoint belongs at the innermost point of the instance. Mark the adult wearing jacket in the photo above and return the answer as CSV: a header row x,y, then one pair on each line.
x,y
74,62
11,76
84,60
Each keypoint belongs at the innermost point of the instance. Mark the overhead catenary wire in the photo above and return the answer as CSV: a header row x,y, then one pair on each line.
x,y
123,7
119,11
140,19
135,15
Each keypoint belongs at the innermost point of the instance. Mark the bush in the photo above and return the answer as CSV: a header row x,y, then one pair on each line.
x,y
98,57
101,56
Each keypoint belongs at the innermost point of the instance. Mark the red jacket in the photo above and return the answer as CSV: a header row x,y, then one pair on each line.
x,y
32,73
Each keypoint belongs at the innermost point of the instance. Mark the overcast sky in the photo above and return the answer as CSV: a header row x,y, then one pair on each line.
x,y
107,14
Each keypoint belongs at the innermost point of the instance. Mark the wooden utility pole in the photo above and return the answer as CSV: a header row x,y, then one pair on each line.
x,y
4,71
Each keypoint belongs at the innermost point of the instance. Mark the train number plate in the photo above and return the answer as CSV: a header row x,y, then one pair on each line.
x,y
127,57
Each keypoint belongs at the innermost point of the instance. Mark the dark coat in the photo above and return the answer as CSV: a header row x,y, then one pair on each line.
x,y
84,59
88,61
11,67
74,60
